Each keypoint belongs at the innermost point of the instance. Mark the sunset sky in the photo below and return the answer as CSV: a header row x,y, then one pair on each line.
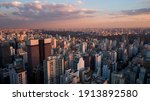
x,y
74,13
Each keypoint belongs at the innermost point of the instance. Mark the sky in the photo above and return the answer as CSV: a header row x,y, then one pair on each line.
x,y
74,13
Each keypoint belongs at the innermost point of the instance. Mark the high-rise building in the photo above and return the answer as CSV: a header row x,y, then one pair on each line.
x,y
53,69
38,50
80,64
130,51
44,49
98,63
120,54
12,51
84,47
54,43
18,75
106,72
33,53
92,62
114,43
86,59
5,54
114,56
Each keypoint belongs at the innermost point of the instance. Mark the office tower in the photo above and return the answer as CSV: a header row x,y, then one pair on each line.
x,y
53,69
18,75
44,49
5,54
98,60
33,53
38,50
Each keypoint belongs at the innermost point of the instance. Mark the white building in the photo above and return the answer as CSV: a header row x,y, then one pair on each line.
x,y
84,47
80,64
53,69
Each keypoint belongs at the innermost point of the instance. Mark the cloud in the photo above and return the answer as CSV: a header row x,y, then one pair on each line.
x,y
80,2
137,11
9,5
38,11
16,3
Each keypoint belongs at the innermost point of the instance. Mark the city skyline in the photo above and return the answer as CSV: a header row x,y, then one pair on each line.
x,y
101,56
74,13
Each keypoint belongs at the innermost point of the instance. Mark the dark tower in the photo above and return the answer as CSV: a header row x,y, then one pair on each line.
x,y
5,56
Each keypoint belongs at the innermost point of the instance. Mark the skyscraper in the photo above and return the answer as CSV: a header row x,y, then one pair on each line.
x,y
44,49
5,54
98,63
33,53
53,69
38,50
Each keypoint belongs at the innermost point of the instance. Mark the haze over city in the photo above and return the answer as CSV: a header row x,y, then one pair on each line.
x,y
74,13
